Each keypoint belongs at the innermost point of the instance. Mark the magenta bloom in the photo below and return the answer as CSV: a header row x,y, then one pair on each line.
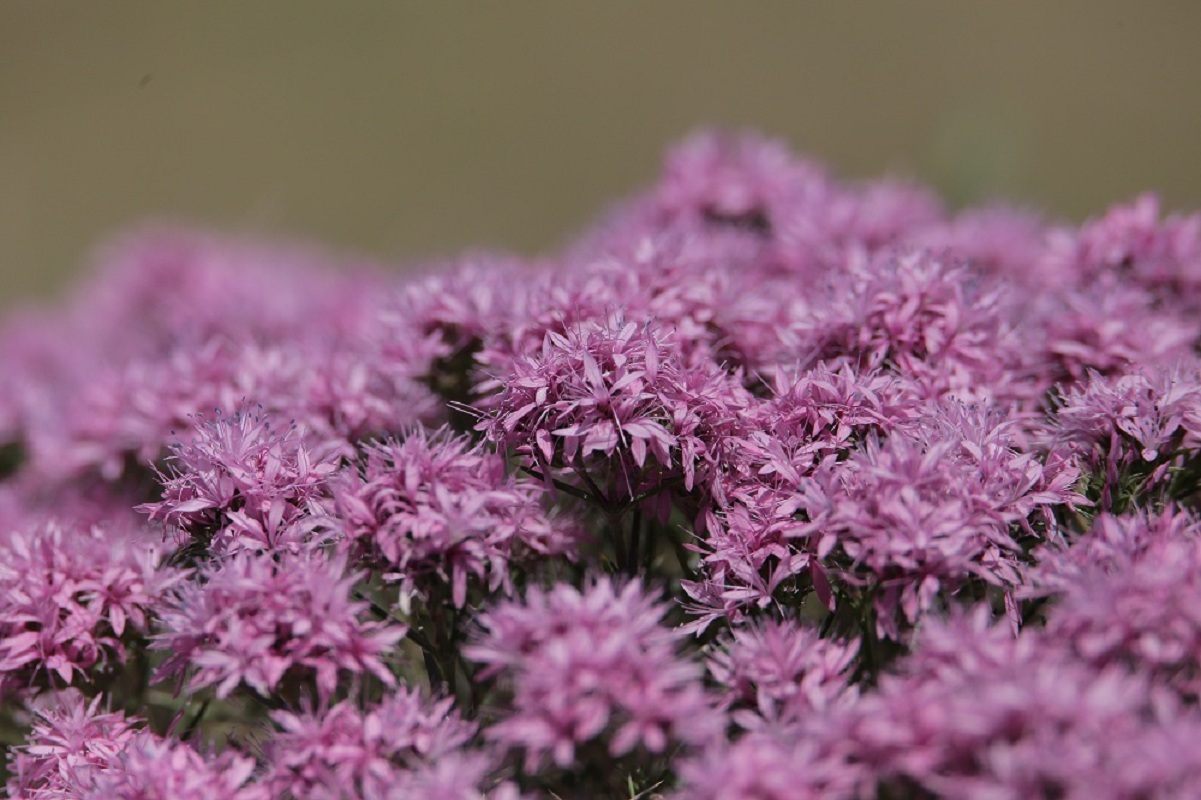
x,y
1144,424
590,665
255,620
344,752
762,766
71,741
588,391
980,714
77,752
435,509
779,673
924,511
244,485
70,598
151,768
1127,593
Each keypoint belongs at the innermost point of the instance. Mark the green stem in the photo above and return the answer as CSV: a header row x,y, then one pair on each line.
x,y
195,723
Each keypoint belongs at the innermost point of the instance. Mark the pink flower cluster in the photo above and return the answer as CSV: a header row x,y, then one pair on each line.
x,y
590,664
435,511
769,486
256,620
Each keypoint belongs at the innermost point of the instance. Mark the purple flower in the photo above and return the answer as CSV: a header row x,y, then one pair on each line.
x,y
762,766
244,485
590,665
1130,239
256,620
70,742
943,327
587,391
456,776
1127,593
778,673
978,713
927,509
151,768
1142,423
433,509
70,599
75,751
1110,327
1008,243
348,752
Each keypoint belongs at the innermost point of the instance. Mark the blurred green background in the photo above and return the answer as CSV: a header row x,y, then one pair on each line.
x,y
410,130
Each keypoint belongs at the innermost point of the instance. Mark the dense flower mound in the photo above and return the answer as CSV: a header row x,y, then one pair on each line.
x,y
769,486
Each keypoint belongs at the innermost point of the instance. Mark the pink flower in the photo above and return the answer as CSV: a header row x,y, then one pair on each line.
x,y
256,620
433,509
928,508
70,599
978,713
71,741
151,768
778,673
347,752
590,665
241,484
587,391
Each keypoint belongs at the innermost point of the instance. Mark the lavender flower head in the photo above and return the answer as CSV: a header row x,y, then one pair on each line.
x,y
240,484
590,665
436,510
257,620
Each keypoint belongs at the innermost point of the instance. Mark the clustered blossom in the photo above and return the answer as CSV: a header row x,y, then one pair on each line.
x,y
592,390
76,750
242,485
434,510
925,511
777,673
70,599
346,752
979,713
1139,423
945,329
588,665
770,485
1130,596
254,620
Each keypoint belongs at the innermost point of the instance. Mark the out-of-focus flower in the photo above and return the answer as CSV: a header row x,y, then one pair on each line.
x,y
590,665
777,673
981,714
1127,593
770,766
151,768
69,597
345,752
255,619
